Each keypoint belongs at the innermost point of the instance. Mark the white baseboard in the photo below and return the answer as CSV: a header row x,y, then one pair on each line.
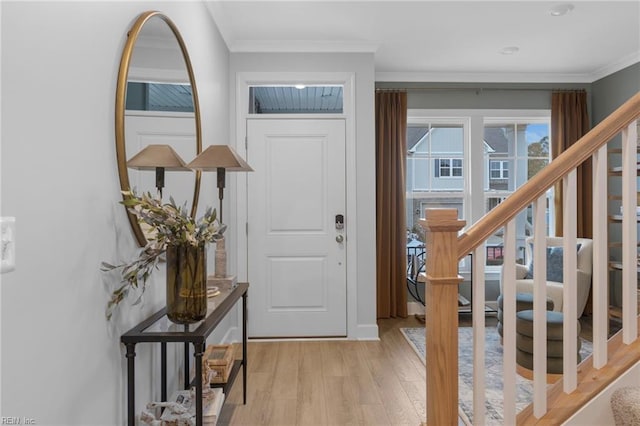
x,y
367,332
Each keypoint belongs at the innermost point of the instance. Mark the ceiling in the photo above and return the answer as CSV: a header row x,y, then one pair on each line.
x,y
454,41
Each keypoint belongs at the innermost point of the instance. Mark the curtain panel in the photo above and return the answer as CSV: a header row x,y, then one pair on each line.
x,y
569,122
391,233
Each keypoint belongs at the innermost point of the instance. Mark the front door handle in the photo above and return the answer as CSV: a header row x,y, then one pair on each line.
x,y
339,238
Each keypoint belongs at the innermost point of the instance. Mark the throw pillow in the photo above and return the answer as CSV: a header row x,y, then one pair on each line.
x,y
555,261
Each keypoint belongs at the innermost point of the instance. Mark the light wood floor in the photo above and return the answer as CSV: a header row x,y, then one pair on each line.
x,y
332,382
337,382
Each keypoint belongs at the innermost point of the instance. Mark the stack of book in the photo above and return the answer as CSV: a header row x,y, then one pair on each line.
x,y
211,407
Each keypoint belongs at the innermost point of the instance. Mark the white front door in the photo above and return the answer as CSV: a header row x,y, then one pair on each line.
x,y
296,253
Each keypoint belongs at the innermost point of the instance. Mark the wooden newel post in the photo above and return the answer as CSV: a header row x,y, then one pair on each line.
x,y
441,312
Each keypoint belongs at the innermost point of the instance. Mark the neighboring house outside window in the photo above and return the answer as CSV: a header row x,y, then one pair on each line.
x,y
435,159
472,163
520,149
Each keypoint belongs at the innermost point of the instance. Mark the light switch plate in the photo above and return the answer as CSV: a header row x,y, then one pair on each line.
x,y
7,244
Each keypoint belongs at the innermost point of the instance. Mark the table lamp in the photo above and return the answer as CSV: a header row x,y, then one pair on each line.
x,y
158,158
220,158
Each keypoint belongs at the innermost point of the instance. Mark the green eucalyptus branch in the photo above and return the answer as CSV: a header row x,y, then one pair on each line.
x,y
169,224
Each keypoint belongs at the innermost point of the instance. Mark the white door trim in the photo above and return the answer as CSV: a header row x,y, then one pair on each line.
x,y
347,80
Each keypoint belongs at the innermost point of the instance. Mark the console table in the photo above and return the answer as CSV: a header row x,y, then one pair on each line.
x,y
159,329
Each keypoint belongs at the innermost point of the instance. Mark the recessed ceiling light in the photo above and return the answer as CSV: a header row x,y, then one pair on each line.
x,y
510,50
561,9
299,86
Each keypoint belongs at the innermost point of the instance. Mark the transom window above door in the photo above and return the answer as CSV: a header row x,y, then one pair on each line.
x,y
296,99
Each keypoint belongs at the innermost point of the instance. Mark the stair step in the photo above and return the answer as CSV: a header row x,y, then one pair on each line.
x,y
591,381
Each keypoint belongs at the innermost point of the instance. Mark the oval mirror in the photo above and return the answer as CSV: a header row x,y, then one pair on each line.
x,y
157,106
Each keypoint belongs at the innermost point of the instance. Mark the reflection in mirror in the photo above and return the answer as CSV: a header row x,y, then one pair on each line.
x,y
156,104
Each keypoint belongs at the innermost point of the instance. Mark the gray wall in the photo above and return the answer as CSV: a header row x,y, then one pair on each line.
x,y
479,95
610,92
62,362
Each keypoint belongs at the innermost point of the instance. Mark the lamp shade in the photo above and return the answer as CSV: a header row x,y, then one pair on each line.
x,y
219,156
154,156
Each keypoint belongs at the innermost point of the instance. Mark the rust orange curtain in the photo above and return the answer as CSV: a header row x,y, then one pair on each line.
x,y
391,234
569,122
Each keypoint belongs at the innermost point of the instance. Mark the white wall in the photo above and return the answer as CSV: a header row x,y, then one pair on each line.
x,y
62,363
598,411
362,64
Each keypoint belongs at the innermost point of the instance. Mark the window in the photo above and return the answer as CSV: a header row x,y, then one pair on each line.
x,y
449,167
435,159
517,150
298,99
498,169
472,161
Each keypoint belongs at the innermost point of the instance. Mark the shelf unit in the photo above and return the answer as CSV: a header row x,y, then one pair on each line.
x,y
615,219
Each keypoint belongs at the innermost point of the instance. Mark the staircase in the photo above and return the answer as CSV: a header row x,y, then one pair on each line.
x,y
611,357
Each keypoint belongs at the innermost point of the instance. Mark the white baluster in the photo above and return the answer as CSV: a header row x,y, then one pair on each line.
x,y
479,255
509,323
569,287
599,282
540,307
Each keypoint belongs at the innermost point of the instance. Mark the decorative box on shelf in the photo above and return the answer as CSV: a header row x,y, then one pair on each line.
x,y
220,360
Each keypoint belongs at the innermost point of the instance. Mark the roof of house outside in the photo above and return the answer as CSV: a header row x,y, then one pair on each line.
x,y
415,135
495,138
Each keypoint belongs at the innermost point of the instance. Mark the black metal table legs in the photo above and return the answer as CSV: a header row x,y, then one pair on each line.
x,y
131,385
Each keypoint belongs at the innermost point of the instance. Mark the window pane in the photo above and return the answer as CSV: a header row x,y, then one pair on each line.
x,y
515,152
295,100
445,170
447,139
435,155
417,169
159,97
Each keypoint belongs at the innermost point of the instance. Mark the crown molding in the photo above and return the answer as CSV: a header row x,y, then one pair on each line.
x,y
471,77
301,46
616,66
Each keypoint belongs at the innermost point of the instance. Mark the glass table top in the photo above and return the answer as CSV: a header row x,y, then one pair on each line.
x,y
164,325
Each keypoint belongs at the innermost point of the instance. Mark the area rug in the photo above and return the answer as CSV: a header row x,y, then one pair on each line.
x,y
493,372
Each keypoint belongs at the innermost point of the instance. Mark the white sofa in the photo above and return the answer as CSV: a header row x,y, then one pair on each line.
x,y
554,288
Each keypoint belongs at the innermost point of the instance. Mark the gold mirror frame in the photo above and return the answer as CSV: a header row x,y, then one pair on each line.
x,y
121,93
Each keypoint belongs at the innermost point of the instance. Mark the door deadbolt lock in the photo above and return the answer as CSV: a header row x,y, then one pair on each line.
x,y
339,238
339,221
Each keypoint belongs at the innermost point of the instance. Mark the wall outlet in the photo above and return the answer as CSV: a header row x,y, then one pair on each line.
x,y
7,244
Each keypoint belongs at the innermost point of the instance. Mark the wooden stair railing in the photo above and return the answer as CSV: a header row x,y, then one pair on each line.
x,y
444,251
547,177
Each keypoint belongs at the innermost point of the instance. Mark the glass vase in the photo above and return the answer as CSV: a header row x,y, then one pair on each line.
x,y
186,283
